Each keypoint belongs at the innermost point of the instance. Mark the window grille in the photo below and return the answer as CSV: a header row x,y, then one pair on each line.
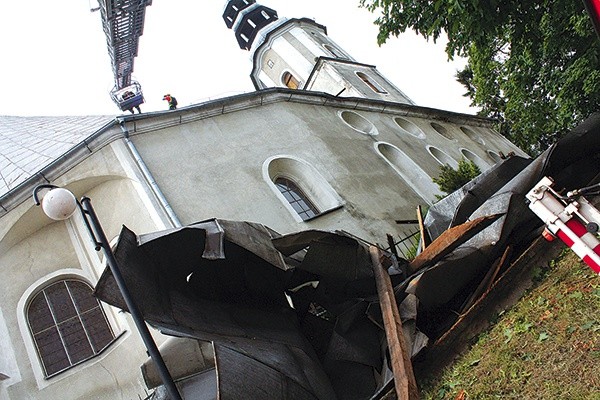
x,y
297,199
68,325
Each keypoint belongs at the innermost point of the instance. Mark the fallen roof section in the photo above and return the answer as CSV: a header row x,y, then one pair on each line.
x,y
303,316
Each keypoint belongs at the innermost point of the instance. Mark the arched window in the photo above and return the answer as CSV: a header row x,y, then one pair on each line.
x,y
335,52
410,171
358,122
303,191
442,157
290,80
68,325
297,199
371,83
469,155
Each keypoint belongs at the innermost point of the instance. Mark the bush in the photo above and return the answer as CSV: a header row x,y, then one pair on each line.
x,y
451,179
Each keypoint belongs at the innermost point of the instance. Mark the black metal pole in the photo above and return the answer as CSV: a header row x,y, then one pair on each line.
x,y
100,238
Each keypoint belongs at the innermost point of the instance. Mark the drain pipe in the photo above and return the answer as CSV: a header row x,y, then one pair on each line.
x,y
149,178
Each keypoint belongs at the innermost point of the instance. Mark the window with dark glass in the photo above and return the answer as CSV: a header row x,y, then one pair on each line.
x,y
297,199
370,83
332,50
290,80
68,325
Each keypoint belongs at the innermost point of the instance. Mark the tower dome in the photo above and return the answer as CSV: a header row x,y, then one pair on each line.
x,y
247,18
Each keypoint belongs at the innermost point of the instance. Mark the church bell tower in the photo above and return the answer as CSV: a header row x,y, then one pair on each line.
x,y
297,53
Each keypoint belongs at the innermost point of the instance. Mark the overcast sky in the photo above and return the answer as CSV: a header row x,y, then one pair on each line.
x,y
55,60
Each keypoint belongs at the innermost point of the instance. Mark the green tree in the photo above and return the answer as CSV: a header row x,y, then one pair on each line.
x,y
451,179
533,65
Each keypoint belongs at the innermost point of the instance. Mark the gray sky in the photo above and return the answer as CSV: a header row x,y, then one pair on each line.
x,y
55,60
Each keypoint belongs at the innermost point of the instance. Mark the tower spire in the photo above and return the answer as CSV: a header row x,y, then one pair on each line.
x,y
247,18
297,53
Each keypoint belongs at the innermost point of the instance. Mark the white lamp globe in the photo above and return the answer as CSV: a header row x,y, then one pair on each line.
x,y
59,204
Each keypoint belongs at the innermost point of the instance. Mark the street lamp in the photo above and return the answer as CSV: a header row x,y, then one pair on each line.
x,y
60,204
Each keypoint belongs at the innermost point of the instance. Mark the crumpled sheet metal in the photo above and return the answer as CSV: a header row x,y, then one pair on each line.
x,y
185,258
251,236
332,255
238,301
572,162
355,357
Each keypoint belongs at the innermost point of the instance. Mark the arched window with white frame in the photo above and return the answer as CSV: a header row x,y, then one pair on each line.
x,y
68,325
303,190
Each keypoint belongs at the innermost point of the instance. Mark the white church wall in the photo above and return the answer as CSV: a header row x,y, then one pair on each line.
x,y
219,173
37,252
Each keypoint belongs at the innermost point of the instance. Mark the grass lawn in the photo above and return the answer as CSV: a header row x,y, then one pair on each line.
x,y
546,347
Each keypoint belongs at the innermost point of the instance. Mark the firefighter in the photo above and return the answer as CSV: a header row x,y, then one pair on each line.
x,y
171,100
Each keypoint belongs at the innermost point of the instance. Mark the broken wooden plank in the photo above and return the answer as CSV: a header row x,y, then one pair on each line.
x,y
449,240
504,293
424,235
404,378
488,280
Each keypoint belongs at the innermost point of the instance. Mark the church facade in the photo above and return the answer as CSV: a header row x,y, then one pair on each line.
x,y
324,143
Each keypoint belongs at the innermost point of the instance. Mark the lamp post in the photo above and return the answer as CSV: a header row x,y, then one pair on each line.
x,y
60,204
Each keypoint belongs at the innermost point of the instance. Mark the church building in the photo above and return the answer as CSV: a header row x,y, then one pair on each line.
x,y
325,142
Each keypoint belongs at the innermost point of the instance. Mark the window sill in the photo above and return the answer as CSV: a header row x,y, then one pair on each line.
x,y
323,213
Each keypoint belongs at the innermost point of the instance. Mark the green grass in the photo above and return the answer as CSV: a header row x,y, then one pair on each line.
x,y
546,347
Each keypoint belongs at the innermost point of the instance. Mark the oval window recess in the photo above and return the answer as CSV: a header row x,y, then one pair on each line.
x,y
474,136
358,122
469,155
441,130
409,127
494,156
441,157
409,171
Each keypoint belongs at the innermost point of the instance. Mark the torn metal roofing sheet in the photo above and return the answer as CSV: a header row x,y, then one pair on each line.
x,y
572,162
313,329
239,302
352,258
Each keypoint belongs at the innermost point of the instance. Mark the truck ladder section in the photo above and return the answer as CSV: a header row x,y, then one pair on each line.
x,y
123,23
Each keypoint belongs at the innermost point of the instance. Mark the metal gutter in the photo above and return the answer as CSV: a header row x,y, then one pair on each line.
x,y
149,178
99,139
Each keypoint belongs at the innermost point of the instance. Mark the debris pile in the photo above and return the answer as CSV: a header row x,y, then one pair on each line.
x,y
325,315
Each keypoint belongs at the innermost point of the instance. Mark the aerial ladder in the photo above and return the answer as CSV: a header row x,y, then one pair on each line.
x,y
123,24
